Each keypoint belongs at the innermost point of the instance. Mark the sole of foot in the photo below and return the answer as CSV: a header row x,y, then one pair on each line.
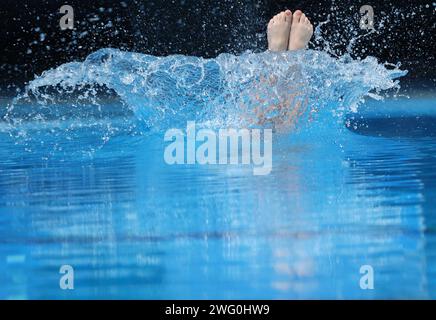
x,y
301,31
279,28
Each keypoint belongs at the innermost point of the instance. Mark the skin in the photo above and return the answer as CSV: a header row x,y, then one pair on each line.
x,y
301,31
287,31
279,28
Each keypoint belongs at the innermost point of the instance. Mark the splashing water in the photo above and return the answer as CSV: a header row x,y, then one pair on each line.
x,y
114,92
228,90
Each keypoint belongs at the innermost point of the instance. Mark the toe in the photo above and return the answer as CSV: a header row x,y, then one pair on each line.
x,y
288,16
297,16
310,27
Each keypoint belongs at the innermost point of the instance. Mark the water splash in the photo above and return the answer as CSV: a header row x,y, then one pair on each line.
x,y
277,89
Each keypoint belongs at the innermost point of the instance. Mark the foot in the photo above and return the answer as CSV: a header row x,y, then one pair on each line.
x,y
301,31
279,28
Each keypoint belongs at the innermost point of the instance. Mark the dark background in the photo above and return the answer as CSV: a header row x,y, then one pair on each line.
x,y
32,41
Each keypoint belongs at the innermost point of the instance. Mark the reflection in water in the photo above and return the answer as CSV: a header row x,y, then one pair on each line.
x,y
134,227
401,180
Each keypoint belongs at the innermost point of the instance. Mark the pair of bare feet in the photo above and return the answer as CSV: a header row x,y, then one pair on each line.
x,y
287,31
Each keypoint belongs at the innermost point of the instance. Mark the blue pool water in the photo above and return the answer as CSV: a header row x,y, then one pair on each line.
x,y
134,227
353,189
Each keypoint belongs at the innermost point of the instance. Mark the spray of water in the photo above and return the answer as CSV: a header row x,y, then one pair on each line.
x,y
281,90
163,91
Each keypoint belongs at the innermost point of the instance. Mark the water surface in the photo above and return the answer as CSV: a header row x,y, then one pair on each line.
x,y
134,227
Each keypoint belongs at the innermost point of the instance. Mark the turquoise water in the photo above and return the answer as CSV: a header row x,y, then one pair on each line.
x,y
86,185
